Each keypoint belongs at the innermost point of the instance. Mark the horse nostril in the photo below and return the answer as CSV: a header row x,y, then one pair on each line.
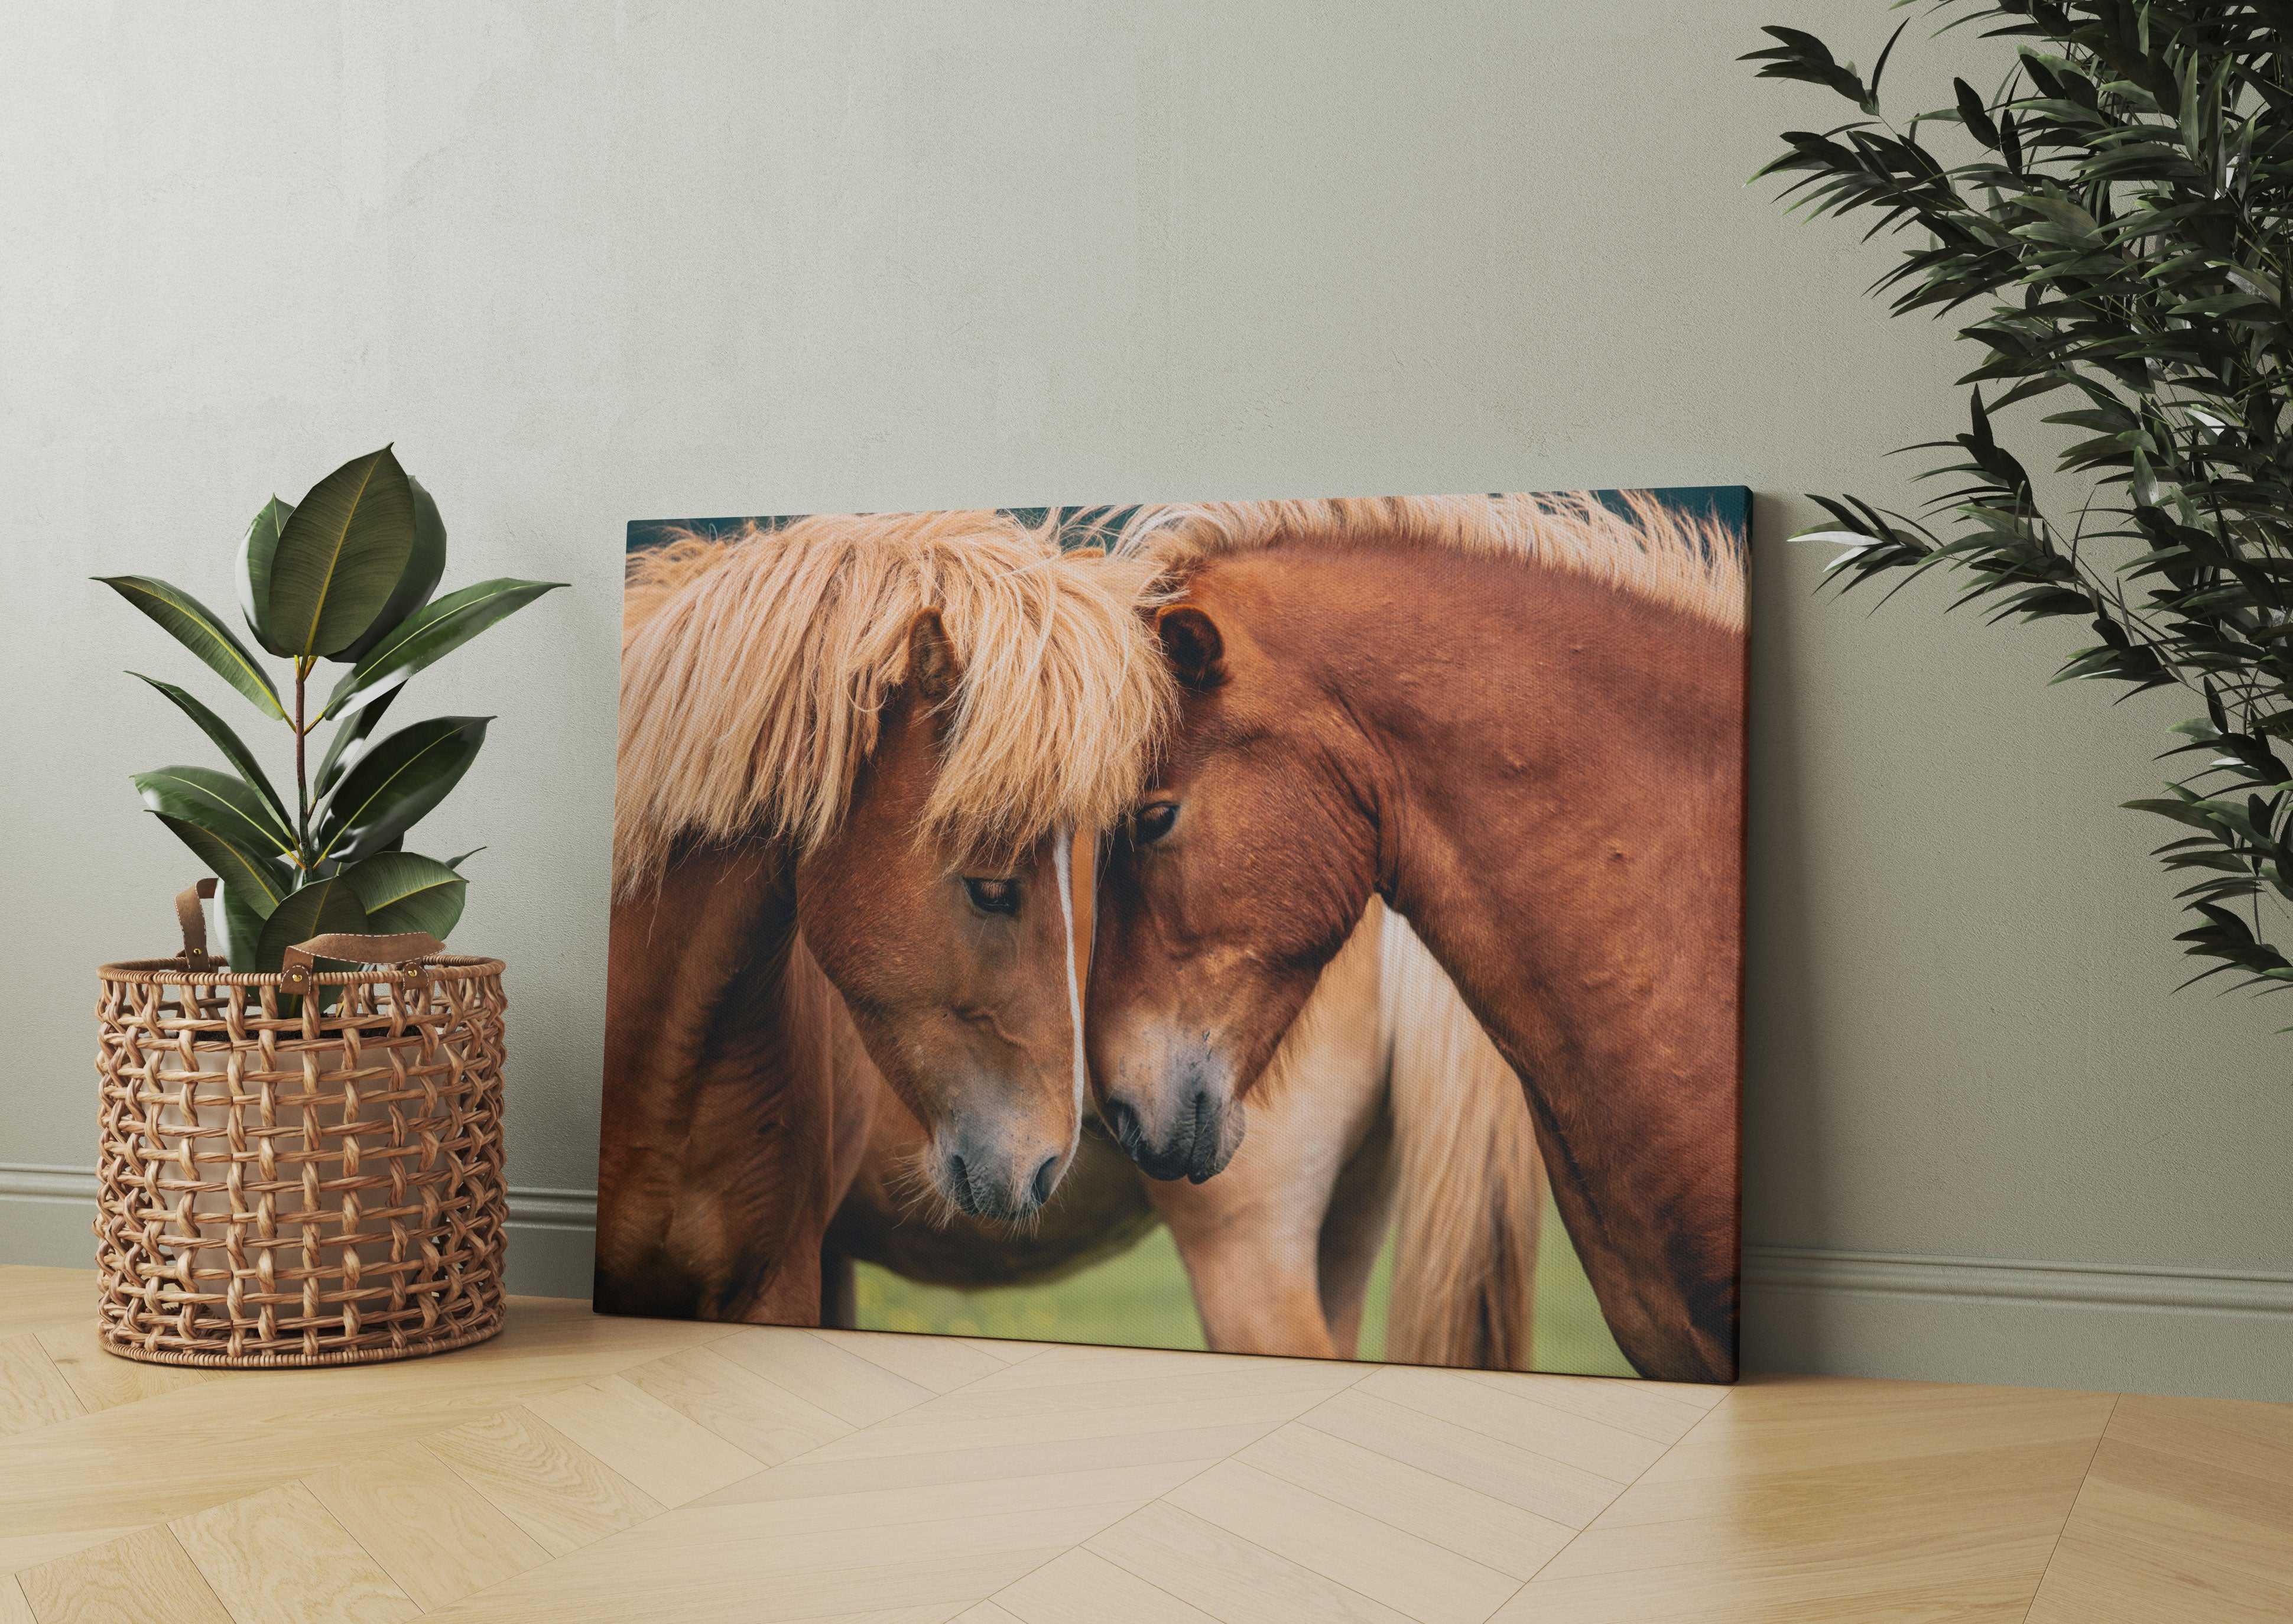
x,y
1192,1126
959,1177
1046,1177
1202,1137
1122,1122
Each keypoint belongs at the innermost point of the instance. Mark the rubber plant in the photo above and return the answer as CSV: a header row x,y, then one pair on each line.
x,y
345,576
2108,224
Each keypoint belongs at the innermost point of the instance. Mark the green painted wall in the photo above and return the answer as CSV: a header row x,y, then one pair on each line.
x,y
587,263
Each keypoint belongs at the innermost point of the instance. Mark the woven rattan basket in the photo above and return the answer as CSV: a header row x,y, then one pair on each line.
x,y
303,1168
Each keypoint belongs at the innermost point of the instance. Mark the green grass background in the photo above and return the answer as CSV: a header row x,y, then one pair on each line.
x,y
1141,1300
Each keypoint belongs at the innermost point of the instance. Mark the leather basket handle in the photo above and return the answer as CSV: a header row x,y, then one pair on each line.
x,y
296,964
193,920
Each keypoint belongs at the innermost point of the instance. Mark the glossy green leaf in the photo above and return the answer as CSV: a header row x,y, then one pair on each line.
x,y
233,748
256,549
456,863
320,908
428,636
403,891
242,926
196,627
349,743
397,783
340,556
262,880
423,565
216,800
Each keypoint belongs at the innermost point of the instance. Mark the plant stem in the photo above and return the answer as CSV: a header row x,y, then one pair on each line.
x,y
301,784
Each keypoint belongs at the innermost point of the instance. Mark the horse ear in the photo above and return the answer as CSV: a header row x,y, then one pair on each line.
x,y
1192,645
932,665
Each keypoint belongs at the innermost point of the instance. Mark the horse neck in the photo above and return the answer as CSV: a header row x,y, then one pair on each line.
x,y
1556,767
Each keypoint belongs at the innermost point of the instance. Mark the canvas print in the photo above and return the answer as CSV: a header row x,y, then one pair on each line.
x,y
1306,928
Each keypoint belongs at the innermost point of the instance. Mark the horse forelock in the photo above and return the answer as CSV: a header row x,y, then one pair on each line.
x,y
755,667
1652,550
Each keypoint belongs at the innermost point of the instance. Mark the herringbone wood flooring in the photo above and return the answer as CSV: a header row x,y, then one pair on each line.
x,y
582,1469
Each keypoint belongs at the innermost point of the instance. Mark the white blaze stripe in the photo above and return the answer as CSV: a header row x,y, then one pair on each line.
x,y
1062,859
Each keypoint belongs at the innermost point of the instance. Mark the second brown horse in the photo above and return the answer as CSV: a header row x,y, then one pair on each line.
x,y
1520,721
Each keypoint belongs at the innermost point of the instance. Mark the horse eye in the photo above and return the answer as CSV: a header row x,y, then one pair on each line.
x,y
992,895
1154,822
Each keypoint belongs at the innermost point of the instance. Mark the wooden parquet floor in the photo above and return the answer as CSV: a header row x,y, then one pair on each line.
x,y
581,1469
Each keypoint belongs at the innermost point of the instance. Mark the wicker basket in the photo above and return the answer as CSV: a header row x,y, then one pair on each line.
x,y
297,1176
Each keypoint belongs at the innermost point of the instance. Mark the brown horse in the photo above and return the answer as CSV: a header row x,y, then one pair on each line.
x,y
902,733
1380,1102
1520,721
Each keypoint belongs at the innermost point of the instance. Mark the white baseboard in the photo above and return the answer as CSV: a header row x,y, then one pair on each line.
x,y
1822,1270
2121,1327
2169,1328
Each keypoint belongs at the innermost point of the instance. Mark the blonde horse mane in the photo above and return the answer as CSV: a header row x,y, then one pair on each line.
x,y
1689,562
1470,1193
755,666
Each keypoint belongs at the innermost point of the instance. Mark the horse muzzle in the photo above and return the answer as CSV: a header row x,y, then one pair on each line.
x,y
1187,1130
986,1180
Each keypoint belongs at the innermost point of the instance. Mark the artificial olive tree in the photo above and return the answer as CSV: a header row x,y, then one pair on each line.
x,y
2109,223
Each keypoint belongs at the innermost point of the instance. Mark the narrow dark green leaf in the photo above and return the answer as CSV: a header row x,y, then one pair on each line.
x,y
341,556
429,636
233,748
1871,103
195,626
402,891
397,783
1973,115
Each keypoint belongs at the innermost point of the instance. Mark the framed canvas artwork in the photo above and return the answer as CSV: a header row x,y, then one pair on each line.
x,y
1306,928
